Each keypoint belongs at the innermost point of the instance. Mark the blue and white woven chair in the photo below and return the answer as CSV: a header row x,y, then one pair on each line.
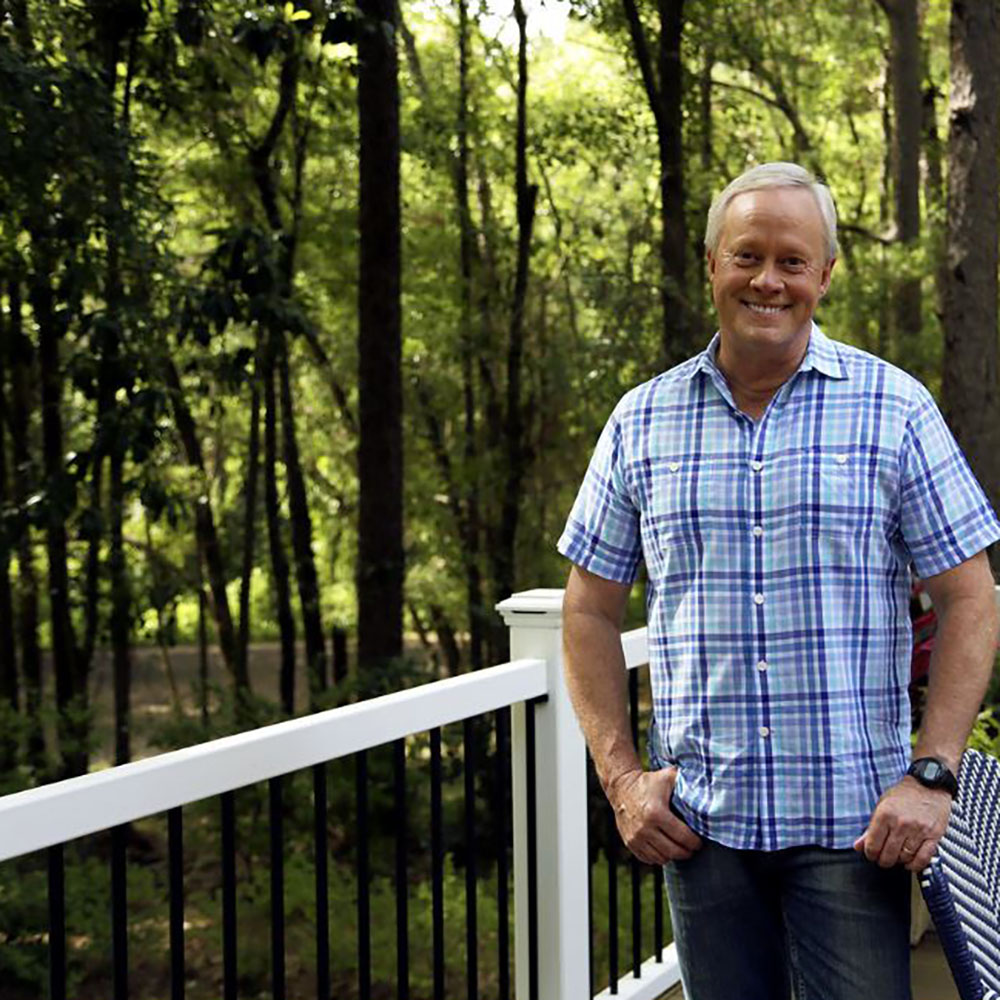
x,y
962,883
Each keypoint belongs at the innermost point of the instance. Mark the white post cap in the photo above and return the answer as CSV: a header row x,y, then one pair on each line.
x,y
538,608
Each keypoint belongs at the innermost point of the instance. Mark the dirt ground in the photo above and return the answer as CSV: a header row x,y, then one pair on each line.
x,y
151,692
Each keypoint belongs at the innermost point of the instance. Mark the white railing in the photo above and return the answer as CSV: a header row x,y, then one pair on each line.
x,y
39,818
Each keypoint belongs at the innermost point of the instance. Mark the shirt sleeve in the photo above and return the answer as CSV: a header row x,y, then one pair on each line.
x,y
945,517
602,532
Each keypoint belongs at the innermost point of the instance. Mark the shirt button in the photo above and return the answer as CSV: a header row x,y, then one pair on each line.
x,y
764,731
840,459
758,598
757,531
762,665
756,465
674,466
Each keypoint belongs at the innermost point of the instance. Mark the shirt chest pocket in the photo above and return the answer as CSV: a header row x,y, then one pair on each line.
x,y
691,499
830,492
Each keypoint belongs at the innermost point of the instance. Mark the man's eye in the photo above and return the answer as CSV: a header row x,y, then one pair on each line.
x,y
745,256
795,263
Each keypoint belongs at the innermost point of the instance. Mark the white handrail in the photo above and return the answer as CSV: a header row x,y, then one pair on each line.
x,y
40,817
635,646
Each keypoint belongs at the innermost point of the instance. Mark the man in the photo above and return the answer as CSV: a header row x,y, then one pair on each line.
x,y
778,487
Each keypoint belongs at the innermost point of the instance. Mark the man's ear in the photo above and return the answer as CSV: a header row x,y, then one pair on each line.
x,y
710,257
824,281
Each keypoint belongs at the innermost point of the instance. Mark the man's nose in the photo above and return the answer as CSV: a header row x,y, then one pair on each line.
x,y
767,278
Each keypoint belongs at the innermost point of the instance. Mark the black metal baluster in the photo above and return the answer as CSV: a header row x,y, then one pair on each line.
x,y
471,923
402,888
437,866
275,810
634,864
590,878
532,823
364,901
322,883
57,922
228,807
658,912
119,913
503,901
175,848
612,903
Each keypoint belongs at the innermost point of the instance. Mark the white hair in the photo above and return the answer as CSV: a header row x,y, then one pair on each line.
x,y
773,175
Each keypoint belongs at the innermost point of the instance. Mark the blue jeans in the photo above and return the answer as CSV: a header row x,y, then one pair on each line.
x,y
808,922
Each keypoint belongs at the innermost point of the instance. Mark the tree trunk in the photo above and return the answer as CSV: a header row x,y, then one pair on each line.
x,y
208,538
121,600
265,176
8,648
203,640
471,530
249,525
931,148
156,586
92,533
305,561
463,500
446,640
279,561
904,69
114,413
516,455
677,327
705,158
665,100
71,703
339,653
380,572
969,383
22,397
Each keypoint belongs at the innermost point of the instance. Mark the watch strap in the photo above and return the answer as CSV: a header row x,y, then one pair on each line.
x,y
932,772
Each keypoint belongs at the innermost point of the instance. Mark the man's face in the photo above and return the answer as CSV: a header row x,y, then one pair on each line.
x,y
770,269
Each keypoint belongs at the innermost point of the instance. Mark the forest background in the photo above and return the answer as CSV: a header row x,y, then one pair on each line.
x,y
312,312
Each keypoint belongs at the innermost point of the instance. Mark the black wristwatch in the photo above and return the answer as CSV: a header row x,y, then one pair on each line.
x,y
934,773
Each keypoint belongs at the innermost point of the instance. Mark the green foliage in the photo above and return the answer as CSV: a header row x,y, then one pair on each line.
x,y
985,735
24,920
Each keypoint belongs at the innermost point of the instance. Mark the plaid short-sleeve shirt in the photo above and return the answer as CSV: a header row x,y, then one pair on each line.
x,y
778,555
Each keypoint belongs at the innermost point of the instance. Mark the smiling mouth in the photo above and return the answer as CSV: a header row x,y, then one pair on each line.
x,y
763,310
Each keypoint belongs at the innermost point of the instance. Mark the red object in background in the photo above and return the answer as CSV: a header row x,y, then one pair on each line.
x,y
924,629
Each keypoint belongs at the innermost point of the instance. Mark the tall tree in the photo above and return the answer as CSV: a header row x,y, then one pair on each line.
x,y
265,173
71,698
380,567
112,28
249,519
904,74
210,549
279,560
22,409
664,87
8,647
471,522
464,486
970,379
515,452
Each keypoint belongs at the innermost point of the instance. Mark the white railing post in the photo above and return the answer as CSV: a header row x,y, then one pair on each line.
x,y
535,621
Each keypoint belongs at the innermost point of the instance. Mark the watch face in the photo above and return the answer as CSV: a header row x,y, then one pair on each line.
x,y
932,770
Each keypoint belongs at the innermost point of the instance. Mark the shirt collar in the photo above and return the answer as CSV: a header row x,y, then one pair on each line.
x,y
821,356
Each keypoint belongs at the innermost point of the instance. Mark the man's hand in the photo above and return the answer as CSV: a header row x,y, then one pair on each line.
x,y
654,834
906,826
